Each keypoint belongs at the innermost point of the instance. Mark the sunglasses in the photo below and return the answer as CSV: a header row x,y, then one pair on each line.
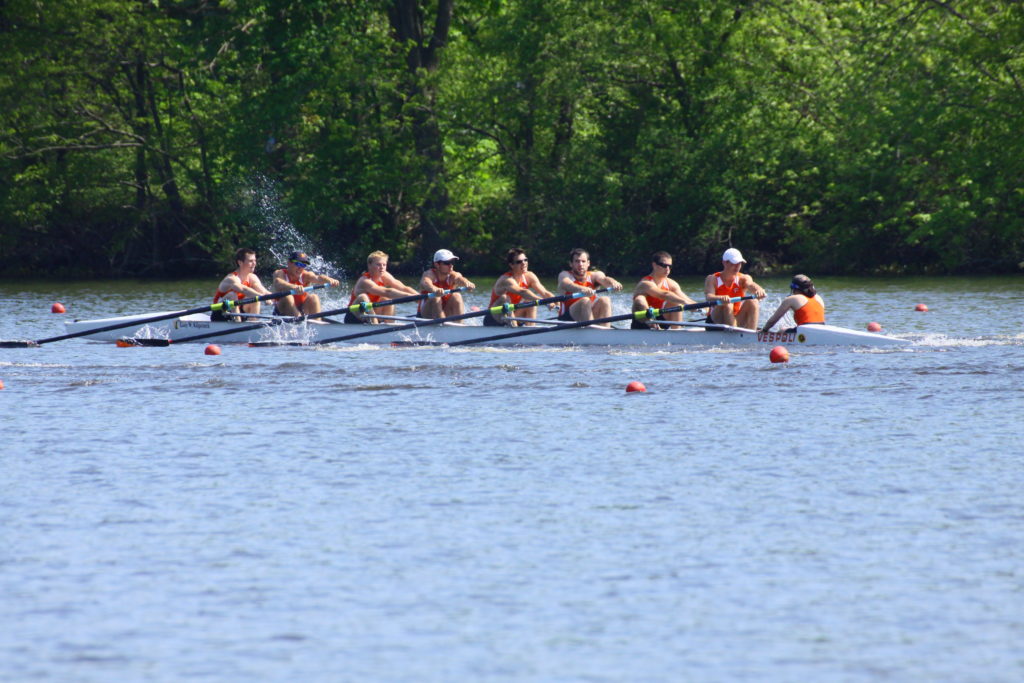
x,y
663,265
522,260
300,264
447,263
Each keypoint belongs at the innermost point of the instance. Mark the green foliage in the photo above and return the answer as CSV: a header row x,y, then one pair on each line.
x,y
838,137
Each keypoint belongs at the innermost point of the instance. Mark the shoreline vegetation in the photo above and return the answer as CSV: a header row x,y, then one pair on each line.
x,y
150,139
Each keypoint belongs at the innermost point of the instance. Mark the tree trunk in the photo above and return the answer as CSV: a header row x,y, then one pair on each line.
x,y
406,18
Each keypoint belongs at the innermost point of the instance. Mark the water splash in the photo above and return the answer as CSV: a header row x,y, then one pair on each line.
x,y
260,204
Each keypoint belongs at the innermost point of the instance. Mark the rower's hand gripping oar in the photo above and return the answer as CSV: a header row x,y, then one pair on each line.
x,y
361,307
504,309
220,306
648,314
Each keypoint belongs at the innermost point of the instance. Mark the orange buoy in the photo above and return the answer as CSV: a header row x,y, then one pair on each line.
x,y
57,307
874,327
212,350
1,384
635,386
921,307
780,354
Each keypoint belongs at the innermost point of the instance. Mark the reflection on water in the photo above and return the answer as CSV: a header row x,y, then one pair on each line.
x,y
368,513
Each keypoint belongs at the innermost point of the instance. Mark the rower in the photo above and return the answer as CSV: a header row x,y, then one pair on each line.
x,y
295,275
807,305
440,277
376,284
240,284
730,282
580,278
656,290
515,285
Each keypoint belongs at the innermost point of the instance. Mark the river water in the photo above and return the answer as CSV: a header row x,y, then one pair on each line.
x,y
427,514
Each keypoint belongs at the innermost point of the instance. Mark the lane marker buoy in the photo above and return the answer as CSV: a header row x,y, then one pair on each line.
x,y
780,354
874,327
212,350
635,386
57,307
921,307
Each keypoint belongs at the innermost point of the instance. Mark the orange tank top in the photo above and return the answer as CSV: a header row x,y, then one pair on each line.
x,y
732,290
300,298
443,284
653,301
587,281
374,298
238,295
513,298
811,312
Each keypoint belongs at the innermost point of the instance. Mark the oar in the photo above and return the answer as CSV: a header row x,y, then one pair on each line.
x,y
227,304
361,307
647,314
384,329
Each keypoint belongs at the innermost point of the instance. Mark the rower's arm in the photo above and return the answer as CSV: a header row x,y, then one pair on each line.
x,y
256,285
608,281
787,304
566,283
427,284
536,286
397,285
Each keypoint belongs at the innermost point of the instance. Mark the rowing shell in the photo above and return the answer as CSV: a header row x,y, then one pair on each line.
x,y
698,335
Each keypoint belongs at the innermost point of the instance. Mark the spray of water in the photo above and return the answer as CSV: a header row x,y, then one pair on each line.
x,y
260,205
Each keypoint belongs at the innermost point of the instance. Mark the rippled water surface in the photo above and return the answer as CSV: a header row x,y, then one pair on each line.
x,y
365,513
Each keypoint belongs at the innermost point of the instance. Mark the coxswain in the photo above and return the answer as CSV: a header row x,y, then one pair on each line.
x,y
807,305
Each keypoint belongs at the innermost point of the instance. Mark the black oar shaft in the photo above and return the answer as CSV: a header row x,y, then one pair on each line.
x,y
648,314
496,310
354,308
144,321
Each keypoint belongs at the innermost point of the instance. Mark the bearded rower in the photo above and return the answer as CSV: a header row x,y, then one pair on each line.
x,y
580,279
658,290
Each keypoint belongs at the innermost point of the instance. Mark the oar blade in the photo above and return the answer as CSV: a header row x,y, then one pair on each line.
x,y
262,344
18,344
125,342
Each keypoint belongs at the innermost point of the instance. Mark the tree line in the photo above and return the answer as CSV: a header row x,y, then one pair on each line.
x,y
140,137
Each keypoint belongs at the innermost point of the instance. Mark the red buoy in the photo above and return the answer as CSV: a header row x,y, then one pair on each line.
x,y
921,307
635,386
780,354
1,384
57,307
212,350
874,327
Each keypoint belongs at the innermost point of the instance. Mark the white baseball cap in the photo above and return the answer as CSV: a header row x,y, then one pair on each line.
x,y
444,255
733,255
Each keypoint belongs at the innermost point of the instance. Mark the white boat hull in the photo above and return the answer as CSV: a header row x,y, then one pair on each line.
x,y
178,329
